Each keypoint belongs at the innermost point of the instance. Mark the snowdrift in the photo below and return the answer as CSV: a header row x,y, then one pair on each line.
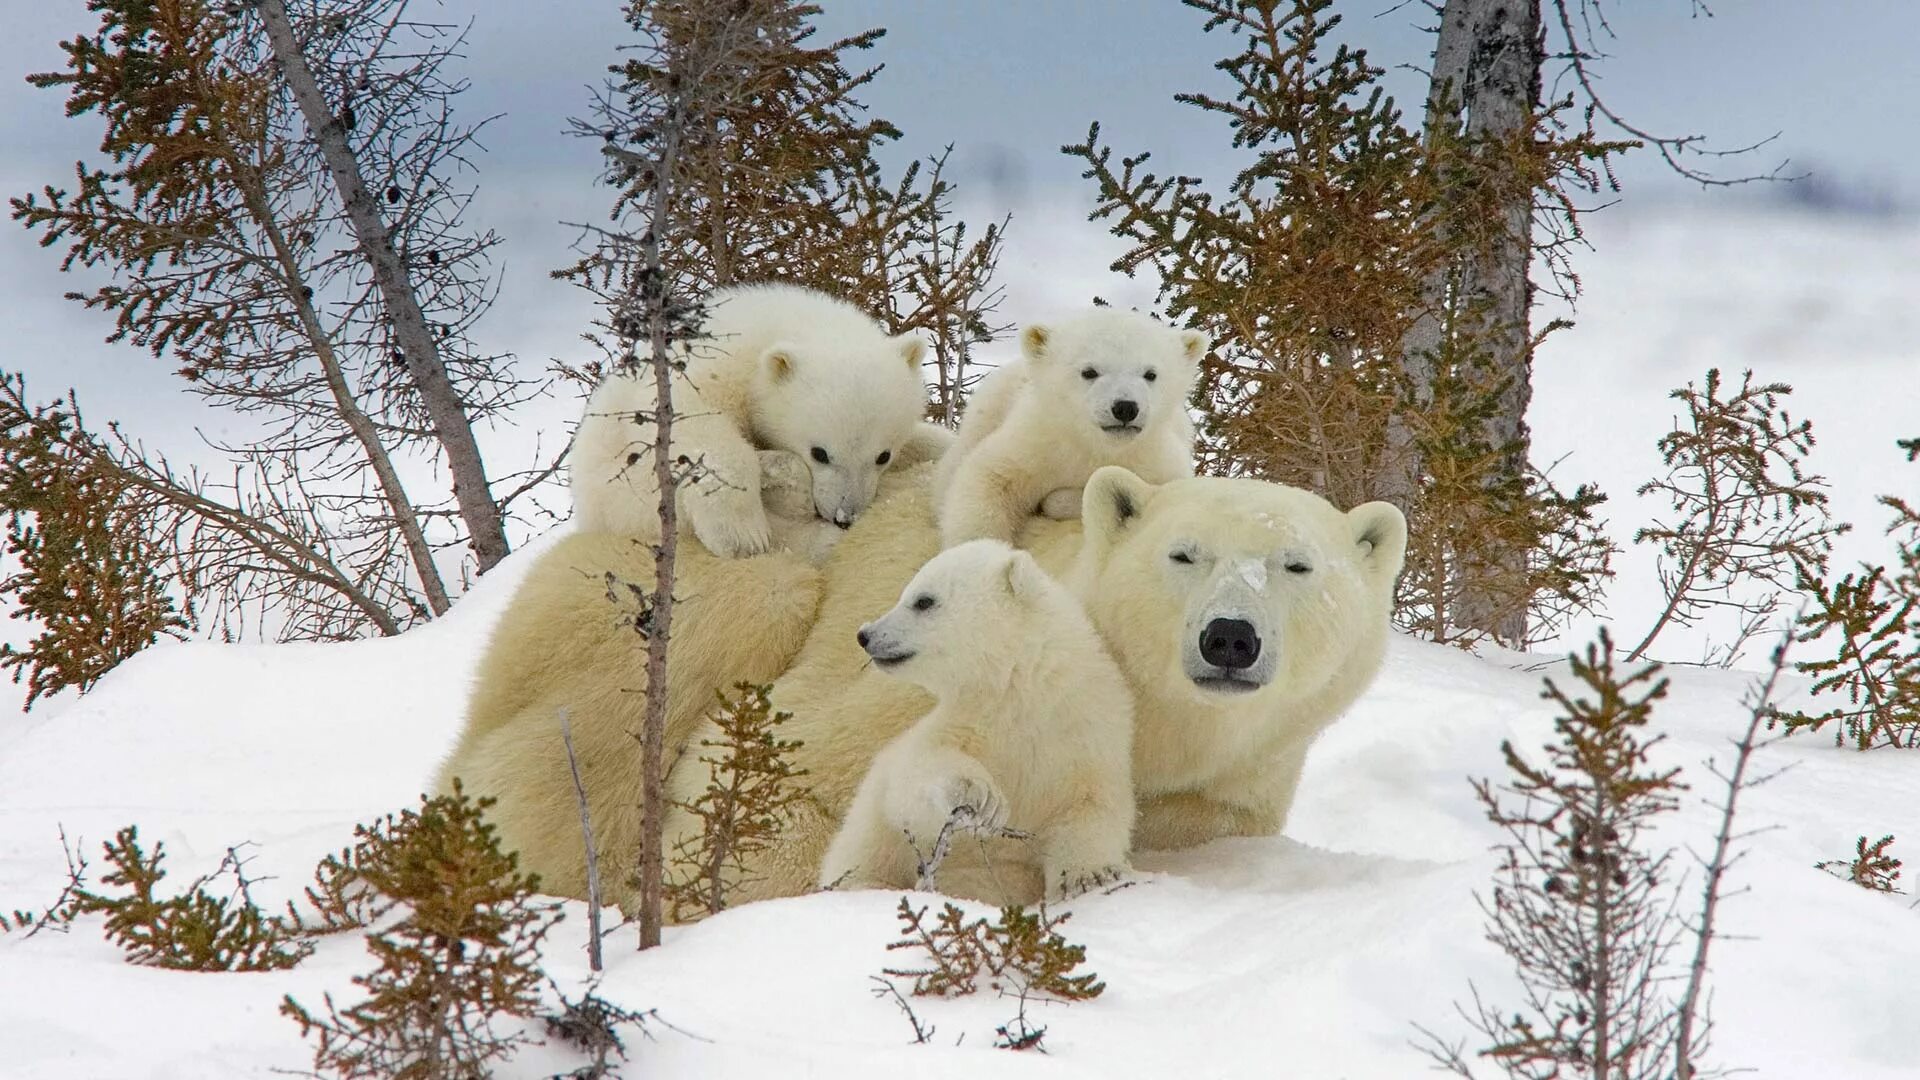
x,y
1306,955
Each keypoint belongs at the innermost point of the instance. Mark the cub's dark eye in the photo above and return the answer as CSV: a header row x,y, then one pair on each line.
x,y
885,456
1299,568
923,603
1182,557
1089,374
820,456
1151,375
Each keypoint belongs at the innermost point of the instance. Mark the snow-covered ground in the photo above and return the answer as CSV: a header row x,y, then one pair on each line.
x,y
1310,955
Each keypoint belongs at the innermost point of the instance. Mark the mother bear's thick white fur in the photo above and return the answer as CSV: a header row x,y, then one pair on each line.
x,y
1155,568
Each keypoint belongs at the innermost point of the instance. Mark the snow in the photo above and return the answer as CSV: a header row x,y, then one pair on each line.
x,y
1312,953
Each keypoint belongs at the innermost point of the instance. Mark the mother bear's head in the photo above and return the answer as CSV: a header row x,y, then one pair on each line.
x,y
1219,588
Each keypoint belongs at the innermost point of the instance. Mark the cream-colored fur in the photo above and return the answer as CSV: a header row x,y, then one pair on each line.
x,y
780,368
1206,762
1108,387
568,641
1032,731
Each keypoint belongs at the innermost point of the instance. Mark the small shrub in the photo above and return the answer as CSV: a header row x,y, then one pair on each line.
x,y
193,930
1020,953
1745,511
751,789
1871,867
463,957
1872,619
592,1026
1577,903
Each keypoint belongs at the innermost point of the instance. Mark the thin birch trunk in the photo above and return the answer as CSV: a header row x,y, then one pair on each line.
x,y
445,412
654,292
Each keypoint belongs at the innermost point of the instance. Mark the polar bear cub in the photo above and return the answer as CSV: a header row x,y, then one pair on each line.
x,y
779,368
1032,730
1108,387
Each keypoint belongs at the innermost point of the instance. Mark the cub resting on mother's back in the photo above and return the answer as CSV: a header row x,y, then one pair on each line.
x,y
778,367
1107,387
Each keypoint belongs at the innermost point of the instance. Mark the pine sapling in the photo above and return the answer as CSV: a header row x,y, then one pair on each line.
x,y
1576,903
1021,952
1871,620
194,930
752,787
462,959
1745,512
1873,866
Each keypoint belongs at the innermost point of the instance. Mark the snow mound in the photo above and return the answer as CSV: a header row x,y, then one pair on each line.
x,y
1309,955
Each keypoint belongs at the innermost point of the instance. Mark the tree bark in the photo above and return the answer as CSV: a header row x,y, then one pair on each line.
x,y
365,432
654,289
1486,83
1452,48
428,371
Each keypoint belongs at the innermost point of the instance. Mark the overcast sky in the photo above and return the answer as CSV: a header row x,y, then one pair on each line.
x,y
1007,82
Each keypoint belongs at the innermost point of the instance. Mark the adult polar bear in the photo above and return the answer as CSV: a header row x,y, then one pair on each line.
x,y
1246,615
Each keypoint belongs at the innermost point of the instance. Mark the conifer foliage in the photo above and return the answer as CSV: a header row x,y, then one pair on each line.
x,y
1309,271
1746,513
1870,619
752,787
1873,867
193,930
1021,953
87,552
1578,901
462,958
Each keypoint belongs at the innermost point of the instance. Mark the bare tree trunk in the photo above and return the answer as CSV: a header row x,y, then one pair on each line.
x,y
1452,48
365,432
1690,1020
1486,82
654,289
418,346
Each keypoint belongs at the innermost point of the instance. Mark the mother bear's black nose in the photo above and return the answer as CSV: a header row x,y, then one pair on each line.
x,y
1230,643
862,638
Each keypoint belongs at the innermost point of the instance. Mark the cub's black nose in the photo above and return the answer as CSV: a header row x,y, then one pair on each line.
x,y
861,637
1125,411
1230,643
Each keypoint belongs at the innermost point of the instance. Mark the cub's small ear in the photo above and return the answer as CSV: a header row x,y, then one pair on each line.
x,y
1033,342
780,362
1194,344
1380,529
1113,501
913,349
1025,579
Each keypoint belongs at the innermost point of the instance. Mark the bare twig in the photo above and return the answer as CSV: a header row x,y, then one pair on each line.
x,y
418,346
884,988
1687,1045
586,837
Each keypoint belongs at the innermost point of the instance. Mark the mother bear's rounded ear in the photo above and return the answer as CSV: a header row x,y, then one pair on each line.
x,y
1380,529
1113,501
